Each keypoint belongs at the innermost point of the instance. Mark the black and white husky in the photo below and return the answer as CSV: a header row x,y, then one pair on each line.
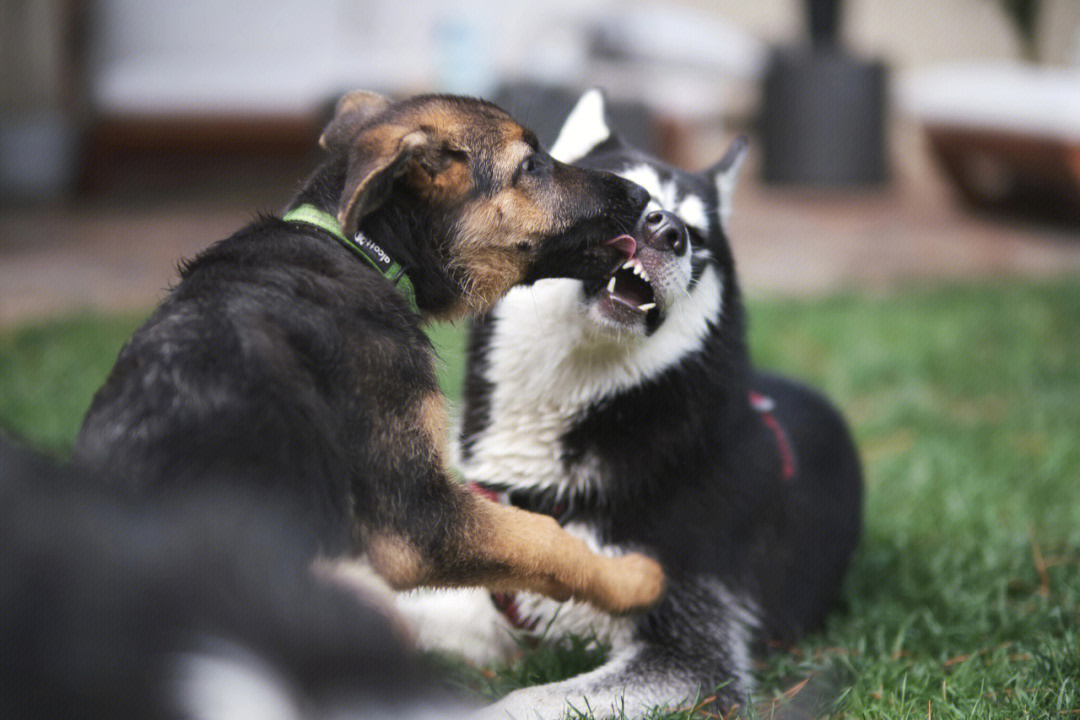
x,y
630,412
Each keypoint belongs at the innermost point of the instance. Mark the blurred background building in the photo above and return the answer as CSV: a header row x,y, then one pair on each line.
x,y
135,131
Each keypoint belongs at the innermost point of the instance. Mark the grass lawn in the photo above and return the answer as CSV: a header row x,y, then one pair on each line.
x,y
964,598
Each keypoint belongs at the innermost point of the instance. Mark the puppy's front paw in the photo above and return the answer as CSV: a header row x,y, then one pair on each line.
x,y
630,582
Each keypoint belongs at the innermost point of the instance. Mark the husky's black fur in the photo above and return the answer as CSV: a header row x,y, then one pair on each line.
x,y
687,465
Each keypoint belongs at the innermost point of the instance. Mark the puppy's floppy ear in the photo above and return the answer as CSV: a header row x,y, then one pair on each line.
x,y
585,128
724,173
378,155
350,114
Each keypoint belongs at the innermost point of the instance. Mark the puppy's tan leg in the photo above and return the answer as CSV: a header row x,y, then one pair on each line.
x,y
454,537
511,549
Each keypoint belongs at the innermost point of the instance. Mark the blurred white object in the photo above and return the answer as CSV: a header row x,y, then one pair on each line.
x,y
681,36
686,63
1007,134
689,64
248,57
463,63
202,57
1000,96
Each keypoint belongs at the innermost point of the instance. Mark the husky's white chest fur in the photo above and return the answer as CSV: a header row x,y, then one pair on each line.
x,y
547,364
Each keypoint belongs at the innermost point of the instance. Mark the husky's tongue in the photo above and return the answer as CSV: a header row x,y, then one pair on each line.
x,y
624,244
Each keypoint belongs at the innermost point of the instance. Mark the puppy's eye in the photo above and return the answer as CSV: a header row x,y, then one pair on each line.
x,y
528,166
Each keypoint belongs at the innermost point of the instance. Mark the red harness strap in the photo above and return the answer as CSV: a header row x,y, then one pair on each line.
x,y
507,604
485,492
764,405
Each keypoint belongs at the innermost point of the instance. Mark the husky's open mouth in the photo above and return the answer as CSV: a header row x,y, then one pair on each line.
x,y
631,287
654,273
630,298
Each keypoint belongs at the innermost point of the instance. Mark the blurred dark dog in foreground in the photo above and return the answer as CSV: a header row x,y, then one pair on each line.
x,y
292,355
201,605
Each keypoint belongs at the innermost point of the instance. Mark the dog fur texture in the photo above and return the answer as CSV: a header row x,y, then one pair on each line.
x,y
628,409
282,359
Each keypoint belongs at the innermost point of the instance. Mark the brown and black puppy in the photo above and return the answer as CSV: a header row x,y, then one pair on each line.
x,y
290,353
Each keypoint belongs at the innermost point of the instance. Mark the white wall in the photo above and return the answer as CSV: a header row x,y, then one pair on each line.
x,y
254,55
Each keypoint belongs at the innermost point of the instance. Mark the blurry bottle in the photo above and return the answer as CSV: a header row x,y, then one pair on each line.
x,y
463,56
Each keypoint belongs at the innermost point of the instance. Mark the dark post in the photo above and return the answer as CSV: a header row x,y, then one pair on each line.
x,y
823,19
823,115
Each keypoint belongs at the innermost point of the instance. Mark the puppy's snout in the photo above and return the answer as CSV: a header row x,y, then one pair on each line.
x,y
638,195
663,230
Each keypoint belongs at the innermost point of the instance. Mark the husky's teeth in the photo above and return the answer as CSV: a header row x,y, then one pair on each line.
x,y
629,264
611,285
646,306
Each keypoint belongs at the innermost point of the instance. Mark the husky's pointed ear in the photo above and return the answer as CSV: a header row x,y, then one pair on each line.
x,y
378,155
724,173
350,114
585,127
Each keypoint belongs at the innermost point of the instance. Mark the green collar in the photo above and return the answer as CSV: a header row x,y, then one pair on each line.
x,y
362,246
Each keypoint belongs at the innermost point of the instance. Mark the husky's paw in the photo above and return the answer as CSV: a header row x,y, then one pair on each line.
x,y
525,704
462,622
